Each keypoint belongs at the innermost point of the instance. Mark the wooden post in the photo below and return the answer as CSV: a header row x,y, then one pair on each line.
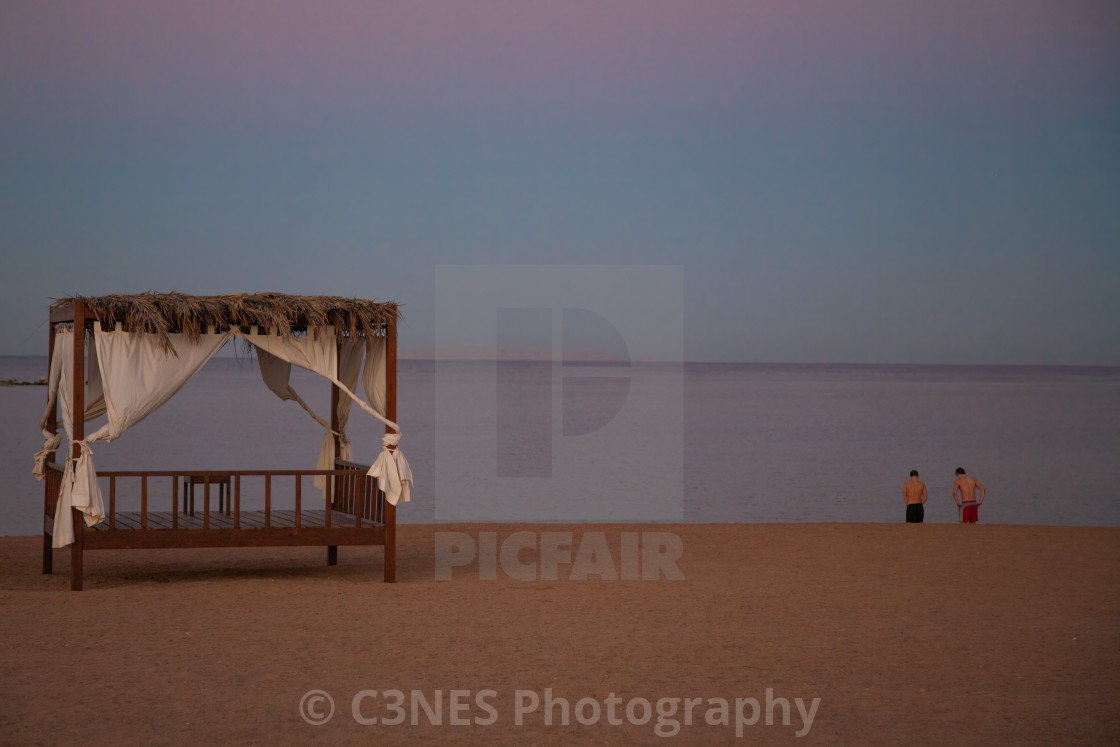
x,y
391,414
335,394
78,426
52,427
331,481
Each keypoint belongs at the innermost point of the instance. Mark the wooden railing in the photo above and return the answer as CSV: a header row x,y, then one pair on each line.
x,y
354,513
356,493
352,492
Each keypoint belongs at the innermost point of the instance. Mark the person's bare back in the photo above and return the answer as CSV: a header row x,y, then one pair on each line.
x,y
914,491
967,487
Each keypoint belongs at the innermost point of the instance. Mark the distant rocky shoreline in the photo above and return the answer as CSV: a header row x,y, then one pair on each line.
x,y
41,381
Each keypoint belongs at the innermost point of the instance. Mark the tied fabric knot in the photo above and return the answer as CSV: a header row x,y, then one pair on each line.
x,y
392,471
81,491
50,446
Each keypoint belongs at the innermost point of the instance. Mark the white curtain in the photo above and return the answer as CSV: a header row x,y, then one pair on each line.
x,y
316,354
349,366
61,360
51,441
137,377
319,355
276,374
95,390
373,377
391,470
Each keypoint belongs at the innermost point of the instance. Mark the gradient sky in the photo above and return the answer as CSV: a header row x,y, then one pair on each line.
x,y
842,181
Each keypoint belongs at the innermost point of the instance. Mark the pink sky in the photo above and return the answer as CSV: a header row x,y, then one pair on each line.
x,y
254,57
804,160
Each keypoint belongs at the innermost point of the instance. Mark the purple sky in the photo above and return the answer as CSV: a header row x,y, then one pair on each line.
x,y
841,181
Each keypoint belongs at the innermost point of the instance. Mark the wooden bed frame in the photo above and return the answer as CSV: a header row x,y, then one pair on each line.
x,y
355,514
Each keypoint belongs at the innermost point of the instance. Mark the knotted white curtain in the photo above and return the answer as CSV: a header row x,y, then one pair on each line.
x,y
51,440
137,376
391,470
95,398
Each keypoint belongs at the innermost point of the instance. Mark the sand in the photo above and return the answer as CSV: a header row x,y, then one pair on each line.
x,y
928,634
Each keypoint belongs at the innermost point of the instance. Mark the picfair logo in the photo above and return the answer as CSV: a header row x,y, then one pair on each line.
x,y
559,393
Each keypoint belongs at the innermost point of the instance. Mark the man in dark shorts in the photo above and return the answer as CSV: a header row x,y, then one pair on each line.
x,y
967,487
914,492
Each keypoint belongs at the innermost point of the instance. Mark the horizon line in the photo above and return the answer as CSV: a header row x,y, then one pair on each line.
x,y
584,357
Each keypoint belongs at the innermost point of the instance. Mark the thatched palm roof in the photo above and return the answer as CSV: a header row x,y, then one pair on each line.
x,y
163,313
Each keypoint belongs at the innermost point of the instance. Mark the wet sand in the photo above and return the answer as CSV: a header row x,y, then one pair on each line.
x,y
928,634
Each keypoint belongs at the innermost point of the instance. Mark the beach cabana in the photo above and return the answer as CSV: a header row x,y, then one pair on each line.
x,y
123,356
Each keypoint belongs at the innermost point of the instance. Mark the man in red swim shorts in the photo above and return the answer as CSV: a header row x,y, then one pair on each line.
x,y
967,487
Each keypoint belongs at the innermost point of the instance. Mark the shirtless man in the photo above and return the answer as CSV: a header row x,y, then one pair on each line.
x,y
914,492
967,487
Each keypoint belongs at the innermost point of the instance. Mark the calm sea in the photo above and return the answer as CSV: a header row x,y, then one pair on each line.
x,y
761,443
